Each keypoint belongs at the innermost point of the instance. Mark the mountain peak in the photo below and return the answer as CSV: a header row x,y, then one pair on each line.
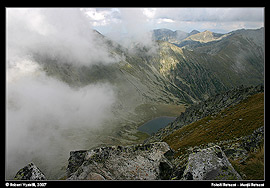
x,y
205,36
194,32
169,35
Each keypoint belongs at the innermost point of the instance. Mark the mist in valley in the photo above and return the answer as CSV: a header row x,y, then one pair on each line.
x,y
47,118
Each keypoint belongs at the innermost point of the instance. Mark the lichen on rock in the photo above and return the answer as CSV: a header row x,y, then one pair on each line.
x,y
30,172
135,162
209,164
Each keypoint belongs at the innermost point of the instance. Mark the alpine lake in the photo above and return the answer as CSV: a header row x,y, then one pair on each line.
x,y
155,124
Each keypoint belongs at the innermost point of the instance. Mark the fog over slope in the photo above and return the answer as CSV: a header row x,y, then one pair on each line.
x,y
40,109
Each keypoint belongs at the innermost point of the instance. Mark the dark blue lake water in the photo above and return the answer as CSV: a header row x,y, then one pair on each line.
x,y
154,125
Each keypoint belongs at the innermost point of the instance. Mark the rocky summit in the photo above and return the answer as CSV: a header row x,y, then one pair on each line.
x,y
139,162
148,162
135,162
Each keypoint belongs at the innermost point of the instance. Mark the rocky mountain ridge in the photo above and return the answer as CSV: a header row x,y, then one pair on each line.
x,y
171,36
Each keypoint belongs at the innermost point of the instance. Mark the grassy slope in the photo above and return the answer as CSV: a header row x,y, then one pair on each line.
x,y
253,168
233,122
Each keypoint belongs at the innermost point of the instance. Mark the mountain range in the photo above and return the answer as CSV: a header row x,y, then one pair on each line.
x,y
178,70
185,68
151,83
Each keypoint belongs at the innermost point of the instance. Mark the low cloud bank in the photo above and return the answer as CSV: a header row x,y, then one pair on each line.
x,y
46,118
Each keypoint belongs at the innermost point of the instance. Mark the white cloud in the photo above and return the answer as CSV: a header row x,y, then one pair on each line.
x,y
134,26
40,109
64,34
161,20
149,12
102,17
97,18
93,14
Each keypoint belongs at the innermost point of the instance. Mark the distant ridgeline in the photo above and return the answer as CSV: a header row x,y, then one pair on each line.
x,y
181,68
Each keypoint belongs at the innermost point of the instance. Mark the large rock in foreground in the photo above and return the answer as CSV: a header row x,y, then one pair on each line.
x,y
30,172
136,162
210,164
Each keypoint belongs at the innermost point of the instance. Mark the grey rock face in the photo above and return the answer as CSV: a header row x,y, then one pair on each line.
x,y
75,160
136,162
30,172
209,164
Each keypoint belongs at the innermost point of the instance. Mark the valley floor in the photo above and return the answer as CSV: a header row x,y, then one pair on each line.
x,y
128,132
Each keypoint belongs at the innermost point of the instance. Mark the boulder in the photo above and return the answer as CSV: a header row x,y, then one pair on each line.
x,y
135,162
209,164
30,172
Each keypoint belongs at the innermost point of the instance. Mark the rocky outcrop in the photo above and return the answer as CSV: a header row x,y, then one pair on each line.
x,y
148,162
136,162
209,164
30,172
140,162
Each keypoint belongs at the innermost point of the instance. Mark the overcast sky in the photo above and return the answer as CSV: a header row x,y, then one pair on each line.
x,y
134,20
